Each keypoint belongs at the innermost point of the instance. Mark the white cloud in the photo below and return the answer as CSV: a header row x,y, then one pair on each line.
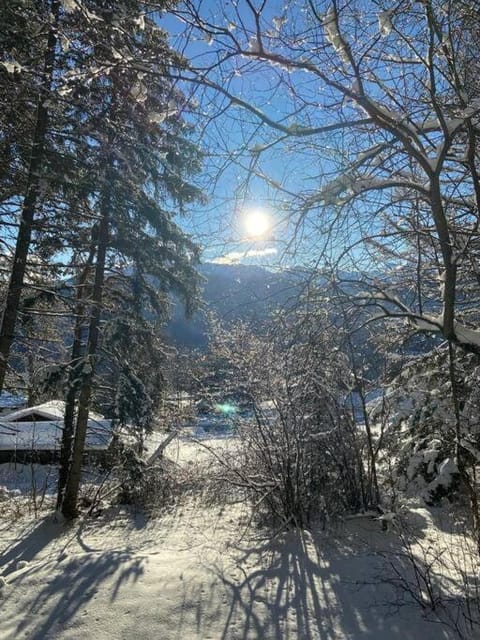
x,y
235,257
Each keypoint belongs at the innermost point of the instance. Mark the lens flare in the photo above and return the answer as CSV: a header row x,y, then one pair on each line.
x,y
225,408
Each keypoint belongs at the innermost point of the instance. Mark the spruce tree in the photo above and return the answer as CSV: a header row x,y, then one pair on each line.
x,y
138,143
33,177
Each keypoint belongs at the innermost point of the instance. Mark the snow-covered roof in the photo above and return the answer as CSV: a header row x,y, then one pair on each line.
x,y
52,410
44,431
46,436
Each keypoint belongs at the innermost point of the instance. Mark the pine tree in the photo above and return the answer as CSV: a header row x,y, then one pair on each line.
x,y
32,187
138,142
94,181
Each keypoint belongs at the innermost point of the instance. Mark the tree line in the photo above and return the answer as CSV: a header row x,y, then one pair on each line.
x,y
97,161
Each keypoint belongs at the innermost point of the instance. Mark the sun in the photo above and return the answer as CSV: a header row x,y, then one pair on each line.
x,y
257,223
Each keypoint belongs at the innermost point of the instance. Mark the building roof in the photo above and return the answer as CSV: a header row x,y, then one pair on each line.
x,y
52,410
46,436
17,433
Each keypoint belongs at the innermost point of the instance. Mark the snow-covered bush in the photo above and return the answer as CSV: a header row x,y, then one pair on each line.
x,y
426,432
297,455
143,485
297,468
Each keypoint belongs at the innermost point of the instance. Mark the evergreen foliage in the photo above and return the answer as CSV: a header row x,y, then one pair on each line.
x,y
109,166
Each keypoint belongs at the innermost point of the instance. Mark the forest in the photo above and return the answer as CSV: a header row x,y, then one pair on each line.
x,y
239,319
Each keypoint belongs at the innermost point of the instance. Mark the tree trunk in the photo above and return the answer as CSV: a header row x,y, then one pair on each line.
x,y
72,384
450,267
70,499
15,286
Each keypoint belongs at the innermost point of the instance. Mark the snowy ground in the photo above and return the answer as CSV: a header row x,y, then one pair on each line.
x,y
201,572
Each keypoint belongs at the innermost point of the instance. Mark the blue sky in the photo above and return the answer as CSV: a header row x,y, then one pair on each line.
x,y
298,165
218,226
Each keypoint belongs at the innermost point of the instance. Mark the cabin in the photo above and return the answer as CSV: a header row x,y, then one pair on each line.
x,y
35,433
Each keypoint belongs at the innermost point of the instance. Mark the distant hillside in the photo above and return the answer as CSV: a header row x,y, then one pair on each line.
x,y
234,292
250,293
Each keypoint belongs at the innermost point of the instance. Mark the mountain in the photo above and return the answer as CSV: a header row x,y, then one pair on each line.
x,y
234,292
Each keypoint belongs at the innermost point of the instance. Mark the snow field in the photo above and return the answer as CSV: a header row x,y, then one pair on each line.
x,y
200,572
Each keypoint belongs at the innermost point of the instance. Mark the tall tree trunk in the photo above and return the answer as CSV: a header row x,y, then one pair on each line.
x,y
73,383
70,499
15,286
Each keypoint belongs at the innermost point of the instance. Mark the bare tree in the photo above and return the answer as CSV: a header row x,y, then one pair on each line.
x,y
300,454
374,114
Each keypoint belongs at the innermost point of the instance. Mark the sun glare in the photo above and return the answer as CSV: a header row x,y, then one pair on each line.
x,y
257,223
